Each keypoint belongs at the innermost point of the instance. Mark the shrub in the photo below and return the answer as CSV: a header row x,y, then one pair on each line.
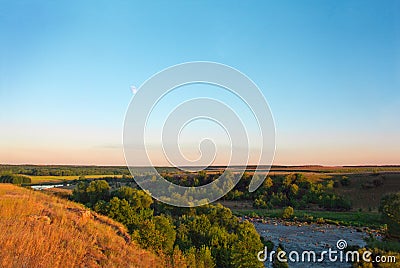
x,y
288,212
278,264
308,218
345,181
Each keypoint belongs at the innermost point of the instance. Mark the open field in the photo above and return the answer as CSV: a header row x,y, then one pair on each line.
x,y
320,169
40,230
45,179
362,191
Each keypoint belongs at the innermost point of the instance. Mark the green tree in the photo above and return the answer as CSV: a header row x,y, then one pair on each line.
x,y
138,199
157,234
190,257
98,190
119,210
79,194
245,248
166,233
199,229
390,209
204,258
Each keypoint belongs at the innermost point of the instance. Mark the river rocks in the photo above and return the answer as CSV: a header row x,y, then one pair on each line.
x,y
316,237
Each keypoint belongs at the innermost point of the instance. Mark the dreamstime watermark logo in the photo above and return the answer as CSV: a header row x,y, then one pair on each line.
x,y
149,95
341,244
330,255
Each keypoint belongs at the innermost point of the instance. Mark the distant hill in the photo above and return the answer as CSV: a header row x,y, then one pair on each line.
x,y
42,230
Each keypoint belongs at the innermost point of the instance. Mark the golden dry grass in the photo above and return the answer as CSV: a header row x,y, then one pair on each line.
x,y
41,230
370,198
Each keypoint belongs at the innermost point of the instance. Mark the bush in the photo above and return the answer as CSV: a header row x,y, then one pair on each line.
x,y
288,213
276,263
308,218
345,181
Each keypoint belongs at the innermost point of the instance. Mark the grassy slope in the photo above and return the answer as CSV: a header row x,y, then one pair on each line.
x,y
367,199
42,230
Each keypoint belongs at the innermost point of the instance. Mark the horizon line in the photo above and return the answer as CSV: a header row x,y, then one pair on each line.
x,y
211,166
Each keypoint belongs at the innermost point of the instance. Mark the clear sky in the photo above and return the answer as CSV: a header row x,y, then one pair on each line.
x,y
330,71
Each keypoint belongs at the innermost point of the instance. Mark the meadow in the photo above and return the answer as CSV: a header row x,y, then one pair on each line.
x,y
53,179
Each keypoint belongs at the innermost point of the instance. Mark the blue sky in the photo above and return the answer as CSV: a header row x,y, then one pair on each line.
x,y
330,71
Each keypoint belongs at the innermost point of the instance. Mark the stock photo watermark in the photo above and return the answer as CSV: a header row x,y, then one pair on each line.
x,y
149,95
340,254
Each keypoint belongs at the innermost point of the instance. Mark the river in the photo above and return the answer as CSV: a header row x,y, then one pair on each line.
x,y
301,237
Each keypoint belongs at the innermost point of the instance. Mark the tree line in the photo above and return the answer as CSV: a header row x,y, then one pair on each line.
x,y
277,191
14,179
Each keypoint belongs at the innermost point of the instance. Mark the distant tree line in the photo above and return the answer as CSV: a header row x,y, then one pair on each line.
x,y
14,179
63,170
56,170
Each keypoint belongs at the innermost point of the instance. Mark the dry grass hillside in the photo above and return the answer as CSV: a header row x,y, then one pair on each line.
x,y
365,191
42,230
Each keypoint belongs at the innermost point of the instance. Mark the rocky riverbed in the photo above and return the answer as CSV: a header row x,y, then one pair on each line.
x,y
300,236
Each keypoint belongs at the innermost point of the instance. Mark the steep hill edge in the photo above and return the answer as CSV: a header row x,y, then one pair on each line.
x,y
42,230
